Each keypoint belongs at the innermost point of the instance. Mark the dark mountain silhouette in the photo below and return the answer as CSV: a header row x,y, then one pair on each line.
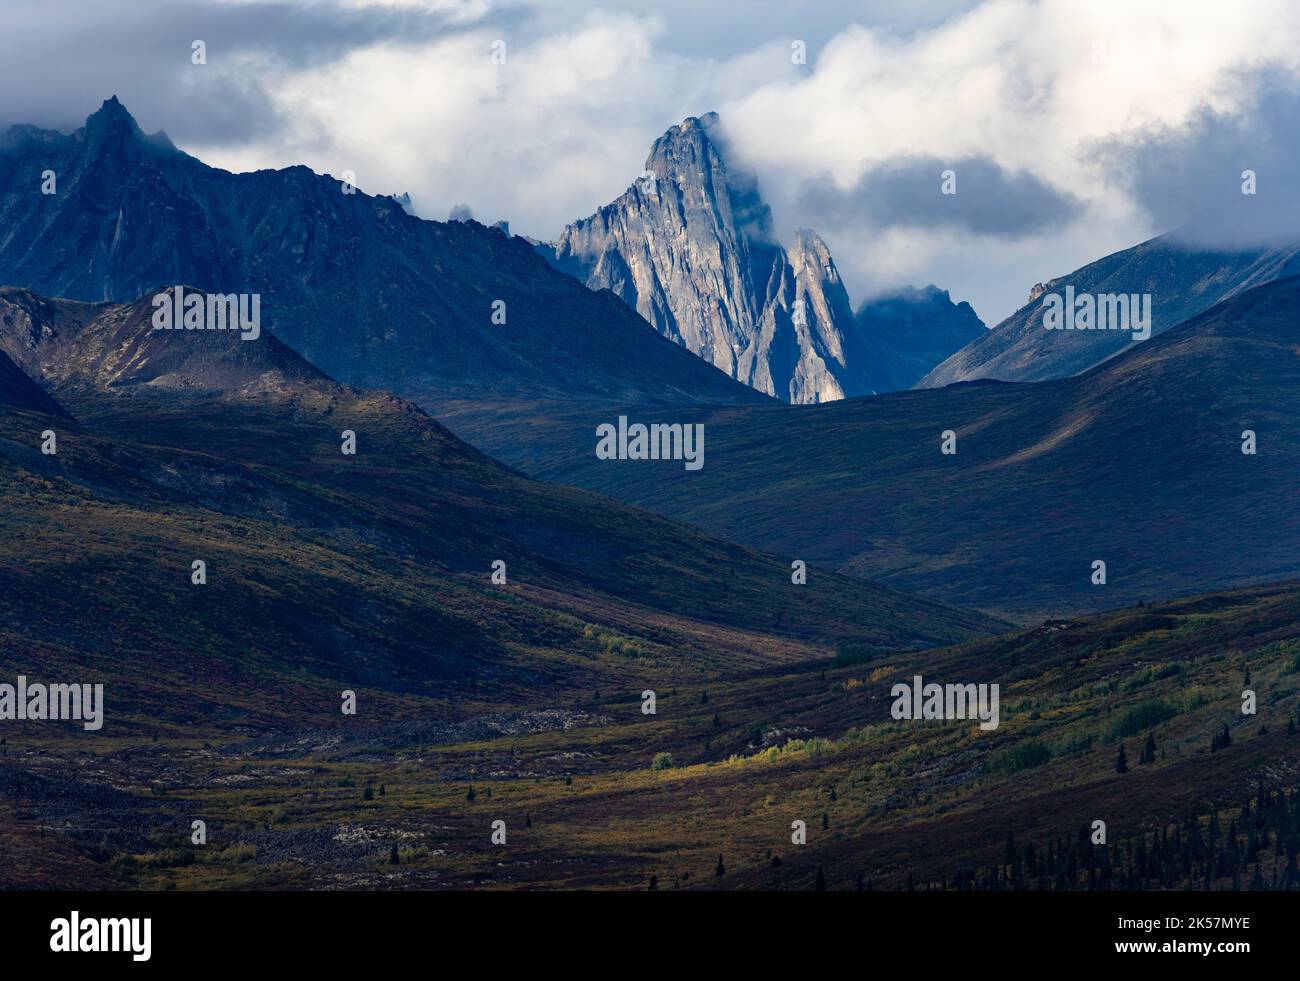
x,y
901,336
359,287
17,391
1137,463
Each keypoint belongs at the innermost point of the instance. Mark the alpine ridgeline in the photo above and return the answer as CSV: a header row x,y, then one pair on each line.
x,y
1181,277
351,281
690,245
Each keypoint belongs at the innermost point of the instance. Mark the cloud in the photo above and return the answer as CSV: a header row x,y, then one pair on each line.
x,y
1191,177
909,193
140,50
1075,129
1031,88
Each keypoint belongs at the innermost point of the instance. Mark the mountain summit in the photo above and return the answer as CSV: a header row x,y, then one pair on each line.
x,y
1181,278
691,246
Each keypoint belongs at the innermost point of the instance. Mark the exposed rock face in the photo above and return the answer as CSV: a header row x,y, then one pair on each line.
x,y
68,346
358,286
690,245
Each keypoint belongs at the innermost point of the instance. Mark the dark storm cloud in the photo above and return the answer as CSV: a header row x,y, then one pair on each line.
x,y
1189,179
60,59
908,193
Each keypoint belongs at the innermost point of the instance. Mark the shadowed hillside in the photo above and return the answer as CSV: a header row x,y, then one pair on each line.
x,y
1137,463
1183,280
373,568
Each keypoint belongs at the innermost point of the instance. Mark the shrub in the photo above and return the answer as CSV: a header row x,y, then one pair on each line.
x,y
1020,756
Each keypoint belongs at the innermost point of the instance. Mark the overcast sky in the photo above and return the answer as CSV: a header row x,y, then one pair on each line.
x,y
1075,128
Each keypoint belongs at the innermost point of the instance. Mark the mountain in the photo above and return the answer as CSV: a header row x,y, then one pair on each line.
x,y
17,391
113,348
374,566
1181,278
903,335
369,293
1137,462
690,246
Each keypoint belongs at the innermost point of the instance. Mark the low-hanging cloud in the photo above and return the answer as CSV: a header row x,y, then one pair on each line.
x,y
140,50
1194,178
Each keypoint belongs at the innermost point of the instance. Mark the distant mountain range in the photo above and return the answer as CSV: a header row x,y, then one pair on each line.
x,y
691,246
1181,278
371,294
1137,463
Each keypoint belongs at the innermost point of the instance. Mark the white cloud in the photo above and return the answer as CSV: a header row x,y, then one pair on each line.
x,y
565,124
1033,86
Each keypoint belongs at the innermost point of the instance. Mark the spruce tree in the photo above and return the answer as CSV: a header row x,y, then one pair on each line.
x,y
1149,750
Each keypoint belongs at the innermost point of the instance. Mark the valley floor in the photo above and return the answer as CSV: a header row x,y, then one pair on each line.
x,y
702,795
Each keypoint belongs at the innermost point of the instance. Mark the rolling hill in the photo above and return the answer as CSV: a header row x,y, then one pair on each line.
x,y
324,567
1137,463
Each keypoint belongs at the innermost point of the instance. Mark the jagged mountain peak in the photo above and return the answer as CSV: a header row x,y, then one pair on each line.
x,y
691,246
812,248
113,125
693,132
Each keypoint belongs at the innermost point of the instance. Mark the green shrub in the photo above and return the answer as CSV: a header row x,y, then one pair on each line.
x,y
1023,755
1138,719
